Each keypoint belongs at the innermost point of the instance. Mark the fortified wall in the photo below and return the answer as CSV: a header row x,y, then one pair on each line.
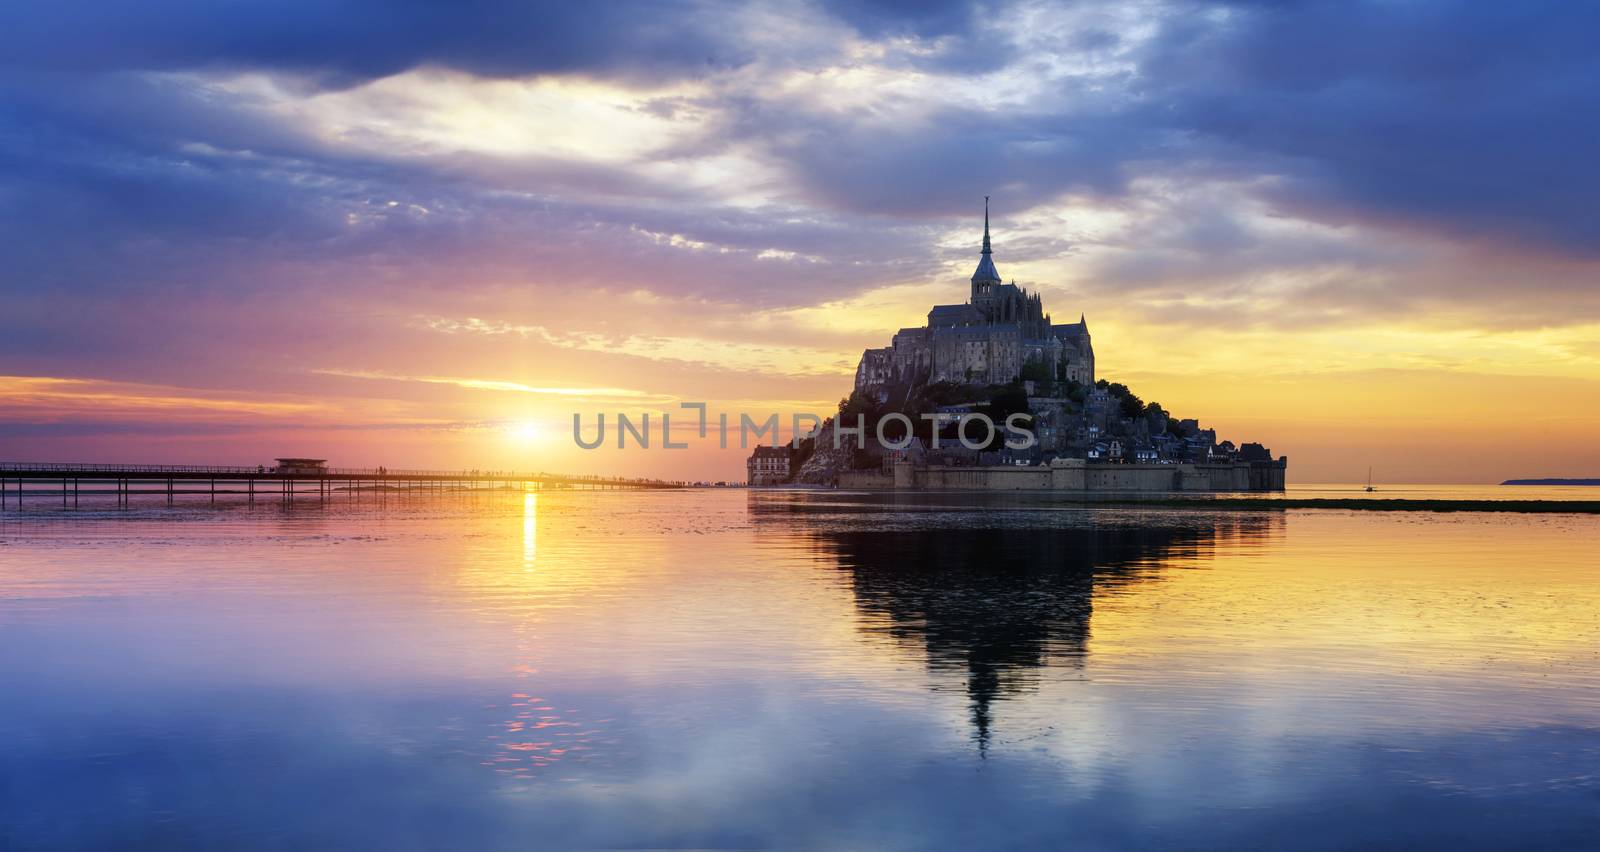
x,y
1079,475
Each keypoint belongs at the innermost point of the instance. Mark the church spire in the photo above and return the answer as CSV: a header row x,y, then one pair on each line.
x,y
986,274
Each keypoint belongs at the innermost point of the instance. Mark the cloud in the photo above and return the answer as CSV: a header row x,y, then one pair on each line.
x,y
350,42
1465,119
230,196
716,355
500,385
48,398
846,166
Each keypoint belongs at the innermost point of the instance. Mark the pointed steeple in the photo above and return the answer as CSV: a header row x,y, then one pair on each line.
x,y
986,272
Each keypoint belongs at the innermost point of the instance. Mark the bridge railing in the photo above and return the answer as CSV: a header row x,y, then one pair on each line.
x,y
222,470
31,467
264,470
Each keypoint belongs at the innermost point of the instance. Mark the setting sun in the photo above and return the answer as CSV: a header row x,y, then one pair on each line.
x,y
524,432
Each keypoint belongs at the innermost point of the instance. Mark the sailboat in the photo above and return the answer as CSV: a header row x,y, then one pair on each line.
x,y
1369,480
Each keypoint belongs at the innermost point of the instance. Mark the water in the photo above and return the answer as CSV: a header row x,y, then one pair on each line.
x,y
1389,491
732,670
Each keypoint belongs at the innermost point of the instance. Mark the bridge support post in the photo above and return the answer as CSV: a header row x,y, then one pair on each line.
x,y
74,492
213,492
169,491
252,488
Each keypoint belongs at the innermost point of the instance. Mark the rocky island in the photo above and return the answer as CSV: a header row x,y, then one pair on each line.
x,y
1001,355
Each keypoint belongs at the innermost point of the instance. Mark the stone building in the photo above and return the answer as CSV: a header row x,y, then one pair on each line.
x,y
986,340
769,465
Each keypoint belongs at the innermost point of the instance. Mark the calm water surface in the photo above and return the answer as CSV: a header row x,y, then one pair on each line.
x,y
736,670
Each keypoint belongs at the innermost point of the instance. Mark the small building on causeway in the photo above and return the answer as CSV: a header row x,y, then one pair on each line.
x,y
310,467
769,465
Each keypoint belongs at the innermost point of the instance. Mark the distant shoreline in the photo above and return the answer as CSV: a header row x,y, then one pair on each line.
x,y
1576,507
1551,482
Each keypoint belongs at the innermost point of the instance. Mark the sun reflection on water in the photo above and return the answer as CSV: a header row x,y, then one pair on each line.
x,y
532,731
530,530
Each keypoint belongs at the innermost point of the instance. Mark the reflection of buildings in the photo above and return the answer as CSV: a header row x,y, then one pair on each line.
x,y
997,604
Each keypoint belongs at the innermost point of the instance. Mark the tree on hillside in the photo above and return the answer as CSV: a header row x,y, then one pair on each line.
x,y
1132,406
1036,370
859,403
1076,391
1006,401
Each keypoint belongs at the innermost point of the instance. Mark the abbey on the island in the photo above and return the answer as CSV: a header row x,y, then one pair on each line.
x,y
986,340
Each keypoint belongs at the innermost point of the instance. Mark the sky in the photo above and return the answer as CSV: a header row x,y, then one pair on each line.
x,y
426,234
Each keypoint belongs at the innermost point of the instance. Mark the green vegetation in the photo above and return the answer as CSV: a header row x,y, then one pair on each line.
x,y
1036,370
1130,405
1076,392
1005,401
996,401
916,399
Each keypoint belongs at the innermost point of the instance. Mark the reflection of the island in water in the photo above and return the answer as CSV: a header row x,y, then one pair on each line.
x,y
998,593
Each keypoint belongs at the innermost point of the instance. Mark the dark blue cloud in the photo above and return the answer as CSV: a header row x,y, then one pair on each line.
x,y
951,36
1474,119
345,41
922,18
1471,121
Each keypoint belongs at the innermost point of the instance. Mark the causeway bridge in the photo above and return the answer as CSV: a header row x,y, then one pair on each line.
x,y
69,482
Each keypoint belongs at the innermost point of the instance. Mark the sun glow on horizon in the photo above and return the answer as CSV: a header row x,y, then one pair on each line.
x,y
524,432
